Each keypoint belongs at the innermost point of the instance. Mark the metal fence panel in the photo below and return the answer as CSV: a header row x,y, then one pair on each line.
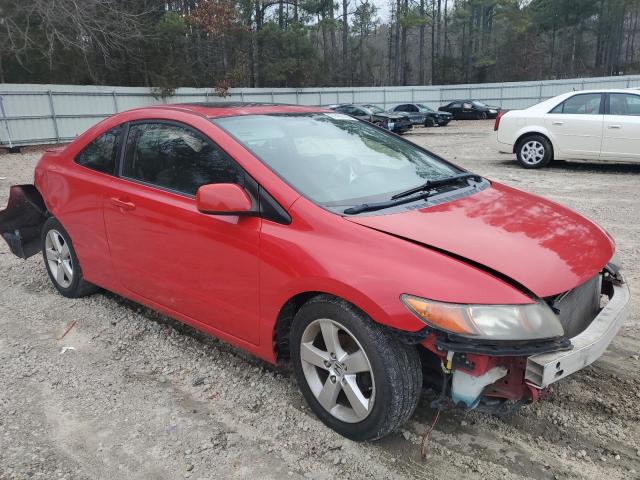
x,y
37,114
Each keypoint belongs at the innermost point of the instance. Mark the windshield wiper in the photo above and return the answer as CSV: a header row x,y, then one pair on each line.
x,y
437,183
406,196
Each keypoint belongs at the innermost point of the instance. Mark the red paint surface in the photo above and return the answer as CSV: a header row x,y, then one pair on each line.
x,y
230,276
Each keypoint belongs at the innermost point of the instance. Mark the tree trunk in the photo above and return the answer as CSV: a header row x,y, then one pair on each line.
x,y
396,58
346,68
403,48
421,46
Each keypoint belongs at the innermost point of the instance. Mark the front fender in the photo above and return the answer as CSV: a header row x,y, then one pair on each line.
x,y
21,222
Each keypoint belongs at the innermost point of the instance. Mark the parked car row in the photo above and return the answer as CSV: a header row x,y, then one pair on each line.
x,y
418,114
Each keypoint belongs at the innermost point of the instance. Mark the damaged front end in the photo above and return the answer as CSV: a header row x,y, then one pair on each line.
x,y
21,222
499,376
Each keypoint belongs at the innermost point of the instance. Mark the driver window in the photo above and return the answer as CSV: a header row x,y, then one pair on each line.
x,y
176,158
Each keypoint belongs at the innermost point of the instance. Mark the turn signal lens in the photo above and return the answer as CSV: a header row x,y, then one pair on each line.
x,y
532,321
443,316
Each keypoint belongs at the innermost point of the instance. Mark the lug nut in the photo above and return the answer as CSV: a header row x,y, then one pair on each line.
x,y
333,355
332,378
327,363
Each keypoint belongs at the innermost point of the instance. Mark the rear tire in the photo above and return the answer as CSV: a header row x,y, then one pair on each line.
x,y
369,386
61,261
534,151
429,122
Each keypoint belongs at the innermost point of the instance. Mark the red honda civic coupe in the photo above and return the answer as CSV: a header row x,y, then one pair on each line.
x,y
304,234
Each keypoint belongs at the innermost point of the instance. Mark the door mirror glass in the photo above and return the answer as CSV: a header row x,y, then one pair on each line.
x,y
223,199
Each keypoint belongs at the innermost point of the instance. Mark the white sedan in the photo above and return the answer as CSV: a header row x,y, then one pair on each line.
x,y
584,125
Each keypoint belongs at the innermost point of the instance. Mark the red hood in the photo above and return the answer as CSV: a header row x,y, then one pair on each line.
x,y
545,247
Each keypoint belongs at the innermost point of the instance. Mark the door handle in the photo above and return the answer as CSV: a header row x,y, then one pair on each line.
x,y
614,126
558,122
123,204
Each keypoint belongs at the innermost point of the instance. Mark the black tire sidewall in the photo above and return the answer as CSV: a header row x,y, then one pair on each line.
x,y
548,151
429,122
372,341
72,290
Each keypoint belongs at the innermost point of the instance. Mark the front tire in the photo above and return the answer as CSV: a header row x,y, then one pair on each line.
x,y
429,122
61,261
358,379
534,151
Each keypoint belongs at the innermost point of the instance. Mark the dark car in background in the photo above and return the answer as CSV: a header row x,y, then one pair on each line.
x,y
395,122
421,114
470,110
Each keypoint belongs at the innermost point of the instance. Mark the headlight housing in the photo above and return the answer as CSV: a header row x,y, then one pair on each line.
x,y
533,321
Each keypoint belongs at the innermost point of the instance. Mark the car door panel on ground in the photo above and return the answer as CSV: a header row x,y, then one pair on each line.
x,y
576,126
163,249
621,132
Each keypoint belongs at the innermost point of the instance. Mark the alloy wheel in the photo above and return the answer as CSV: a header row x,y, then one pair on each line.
x,y
532,152
59,258
337,370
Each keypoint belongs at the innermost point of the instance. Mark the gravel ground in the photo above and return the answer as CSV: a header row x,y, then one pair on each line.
x,y
142,396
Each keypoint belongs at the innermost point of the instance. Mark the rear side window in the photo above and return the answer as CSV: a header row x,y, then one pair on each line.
x,y
177,158
624,104
586,104
101,154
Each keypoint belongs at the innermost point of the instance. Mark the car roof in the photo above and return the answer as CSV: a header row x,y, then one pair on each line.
x,y
230,109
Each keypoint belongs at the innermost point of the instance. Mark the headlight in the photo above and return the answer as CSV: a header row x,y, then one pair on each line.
x,y
532,321
493,111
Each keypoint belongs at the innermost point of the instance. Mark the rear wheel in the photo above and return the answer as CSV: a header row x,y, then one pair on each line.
x,y
534,151
357,378
61,261
429,122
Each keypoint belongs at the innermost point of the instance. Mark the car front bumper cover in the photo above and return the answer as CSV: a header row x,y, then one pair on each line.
x,y
546,368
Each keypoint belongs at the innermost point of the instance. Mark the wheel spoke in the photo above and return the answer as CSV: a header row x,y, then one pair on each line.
x,y
356,362
55,240
313,355
329,394
51,254
66,267
358,402
60,275
330,337
64,251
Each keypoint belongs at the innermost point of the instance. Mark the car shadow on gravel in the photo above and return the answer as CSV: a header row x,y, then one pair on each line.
x,y
577,166
150,315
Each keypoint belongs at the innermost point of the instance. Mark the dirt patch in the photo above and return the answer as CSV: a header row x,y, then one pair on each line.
x,y
142,396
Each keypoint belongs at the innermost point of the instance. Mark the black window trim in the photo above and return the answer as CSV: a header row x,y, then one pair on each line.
x,y
604,100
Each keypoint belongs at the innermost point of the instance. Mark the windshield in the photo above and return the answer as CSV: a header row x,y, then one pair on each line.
x,y
334,159
425,108
374,108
